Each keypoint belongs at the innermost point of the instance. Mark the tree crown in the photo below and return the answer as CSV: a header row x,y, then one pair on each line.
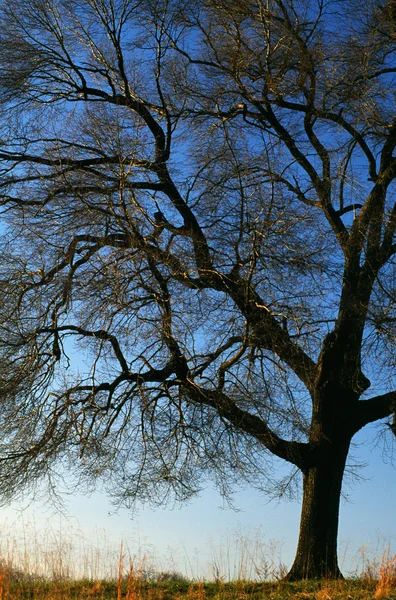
x,y
199,237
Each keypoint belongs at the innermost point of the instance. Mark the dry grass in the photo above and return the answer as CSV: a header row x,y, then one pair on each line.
x,y
135,590
386,587
54,575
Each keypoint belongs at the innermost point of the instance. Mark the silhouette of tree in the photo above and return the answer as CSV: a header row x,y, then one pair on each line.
x,y
198,246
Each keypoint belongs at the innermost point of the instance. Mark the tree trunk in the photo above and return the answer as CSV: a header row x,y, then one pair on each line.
x,y
316,555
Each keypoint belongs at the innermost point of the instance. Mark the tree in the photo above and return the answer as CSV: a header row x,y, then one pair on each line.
x,y
198,246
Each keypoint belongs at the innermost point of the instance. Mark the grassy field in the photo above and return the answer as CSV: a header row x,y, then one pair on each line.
x,y
49,568
132,585
183,590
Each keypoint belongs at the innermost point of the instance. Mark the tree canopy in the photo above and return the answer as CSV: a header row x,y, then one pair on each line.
x,y
198,245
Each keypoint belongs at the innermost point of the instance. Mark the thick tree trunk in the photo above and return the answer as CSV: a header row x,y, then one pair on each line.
x,y
316,555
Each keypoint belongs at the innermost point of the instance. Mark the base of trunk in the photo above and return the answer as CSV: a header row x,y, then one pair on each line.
x,y
307,568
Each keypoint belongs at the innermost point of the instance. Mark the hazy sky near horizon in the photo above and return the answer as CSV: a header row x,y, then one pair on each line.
x,y
190,538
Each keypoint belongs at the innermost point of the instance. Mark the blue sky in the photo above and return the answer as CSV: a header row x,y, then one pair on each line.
x,y
190,538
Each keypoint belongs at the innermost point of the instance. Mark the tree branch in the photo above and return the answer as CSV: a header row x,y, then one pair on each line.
x,y
298,453
374,409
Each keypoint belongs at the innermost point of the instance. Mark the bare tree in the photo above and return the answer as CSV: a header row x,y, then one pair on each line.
x,y
198,244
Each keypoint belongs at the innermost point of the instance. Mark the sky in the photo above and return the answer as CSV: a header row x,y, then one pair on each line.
x,y
203,539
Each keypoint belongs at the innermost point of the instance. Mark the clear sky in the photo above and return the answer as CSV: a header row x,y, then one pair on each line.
x,y
190,539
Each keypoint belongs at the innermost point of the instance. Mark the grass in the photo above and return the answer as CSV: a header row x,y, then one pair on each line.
x,y
49,570
135,589
387,580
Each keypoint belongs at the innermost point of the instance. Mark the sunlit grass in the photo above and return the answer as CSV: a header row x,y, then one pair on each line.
x,y
135,589
49,566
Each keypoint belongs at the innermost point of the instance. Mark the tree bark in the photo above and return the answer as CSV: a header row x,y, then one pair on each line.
x,y
316,556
